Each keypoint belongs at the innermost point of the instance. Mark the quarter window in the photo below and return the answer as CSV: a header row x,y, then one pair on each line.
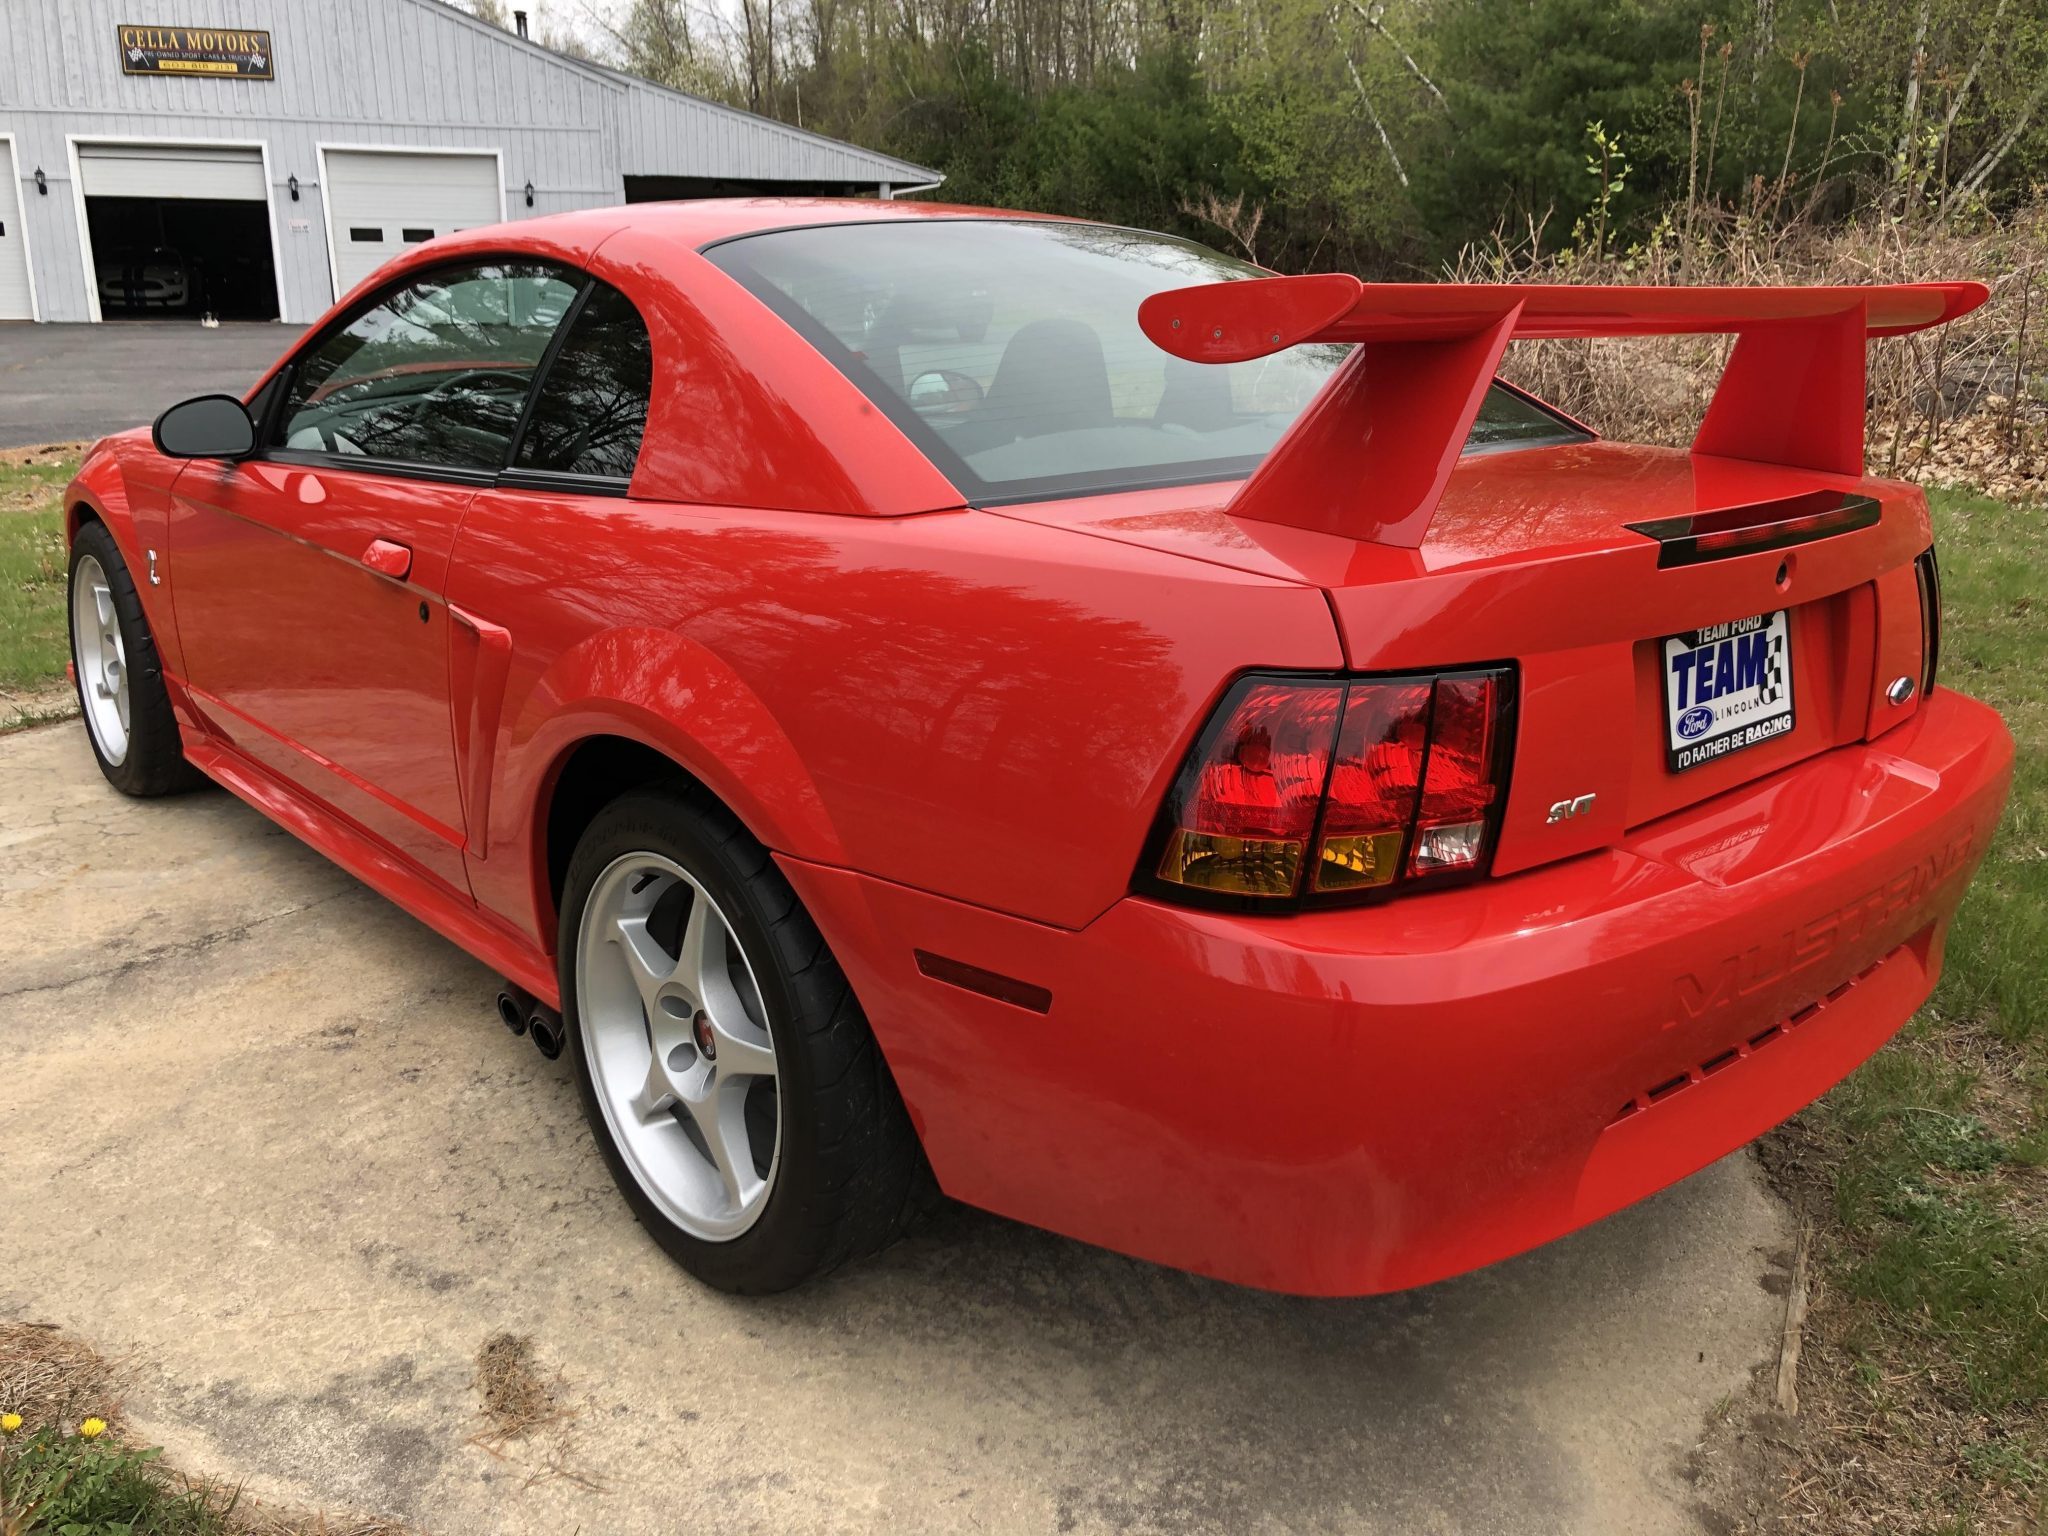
x,y
592,406
434,374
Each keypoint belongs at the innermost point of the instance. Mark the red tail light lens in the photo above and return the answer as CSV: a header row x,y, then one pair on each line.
x,y
1460,793
1244,821
1318,790
1373,785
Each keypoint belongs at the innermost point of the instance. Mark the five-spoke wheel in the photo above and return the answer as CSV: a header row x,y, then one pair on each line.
x,y
121,692
727,1071
101,658
680,1048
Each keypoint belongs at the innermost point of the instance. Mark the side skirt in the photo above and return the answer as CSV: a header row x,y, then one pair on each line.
x,y
448,912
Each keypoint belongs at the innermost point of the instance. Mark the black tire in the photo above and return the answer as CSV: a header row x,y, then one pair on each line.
x,y
154,763
850,1174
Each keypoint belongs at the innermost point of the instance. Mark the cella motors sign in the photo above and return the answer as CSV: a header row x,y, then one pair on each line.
x,y
224,52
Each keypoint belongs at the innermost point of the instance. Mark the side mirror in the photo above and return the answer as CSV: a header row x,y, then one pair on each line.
x,y
206,427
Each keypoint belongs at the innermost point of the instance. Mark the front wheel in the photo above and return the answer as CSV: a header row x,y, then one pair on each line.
x,y
727,1072
121,691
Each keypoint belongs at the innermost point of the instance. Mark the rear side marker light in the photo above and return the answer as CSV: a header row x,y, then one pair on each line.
x,y
1729,531
973,978
1927,571
1319,791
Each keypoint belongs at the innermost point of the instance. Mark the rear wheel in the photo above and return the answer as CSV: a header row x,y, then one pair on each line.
x,y
120,681
727,1072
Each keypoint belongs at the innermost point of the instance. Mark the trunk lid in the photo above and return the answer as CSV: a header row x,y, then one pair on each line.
x,y
1530,560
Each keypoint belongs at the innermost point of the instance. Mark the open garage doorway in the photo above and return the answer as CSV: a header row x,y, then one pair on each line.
x,y
178,231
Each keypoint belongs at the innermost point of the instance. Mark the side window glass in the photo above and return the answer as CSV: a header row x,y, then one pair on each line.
x,y
593,403
437,373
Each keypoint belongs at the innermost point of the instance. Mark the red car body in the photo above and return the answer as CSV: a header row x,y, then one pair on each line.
x,y
955,727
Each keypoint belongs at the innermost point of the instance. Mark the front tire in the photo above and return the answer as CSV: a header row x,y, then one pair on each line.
x,y
119,677
728,1074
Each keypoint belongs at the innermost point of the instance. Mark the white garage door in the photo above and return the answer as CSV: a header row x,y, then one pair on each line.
x,y
215,173
14,300
378,203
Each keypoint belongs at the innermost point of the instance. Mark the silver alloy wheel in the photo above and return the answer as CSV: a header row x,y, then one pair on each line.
x,y
102,659
678,1044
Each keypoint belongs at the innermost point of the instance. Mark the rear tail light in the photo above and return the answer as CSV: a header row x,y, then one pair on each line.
x,y
1928,570
1318,791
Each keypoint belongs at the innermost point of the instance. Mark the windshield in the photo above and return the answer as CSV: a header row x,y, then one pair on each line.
x,y
1010,352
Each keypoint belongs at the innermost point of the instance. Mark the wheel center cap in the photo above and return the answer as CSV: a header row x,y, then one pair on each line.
x,y
707,1042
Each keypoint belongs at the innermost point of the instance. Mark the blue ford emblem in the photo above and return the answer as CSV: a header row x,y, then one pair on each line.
x,y
1694,721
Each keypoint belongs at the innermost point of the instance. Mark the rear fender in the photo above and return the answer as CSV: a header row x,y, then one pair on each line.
x,y
667,693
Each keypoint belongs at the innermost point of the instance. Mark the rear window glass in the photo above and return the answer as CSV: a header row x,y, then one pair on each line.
x,y
1010,352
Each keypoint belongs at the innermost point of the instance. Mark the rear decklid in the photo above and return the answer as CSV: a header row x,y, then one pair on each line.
x,y
1680,622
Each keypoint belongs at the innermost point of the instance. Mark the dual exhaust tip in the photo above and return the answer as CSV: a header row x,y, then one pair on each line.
x,y
524,1014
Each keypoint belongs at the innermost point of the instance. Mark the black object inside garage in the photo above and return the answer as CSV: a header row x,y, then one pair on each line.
x,y
182,257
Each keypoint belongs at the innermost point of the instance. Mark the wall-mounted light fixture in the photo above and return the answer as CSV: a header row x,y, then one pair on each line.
x,y
293,183
529,194
42,182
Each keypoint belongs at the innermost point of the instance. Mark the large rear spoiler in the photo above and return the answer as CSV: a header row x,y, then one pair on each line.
x,y
1370,456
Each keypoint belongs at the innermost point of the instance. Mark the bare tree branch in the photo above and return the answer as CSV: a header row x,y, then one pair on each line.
x,y
1372,18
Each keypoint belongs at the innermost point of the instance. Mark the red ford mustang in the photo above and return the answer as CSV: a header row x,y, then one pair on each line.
x,y
1176,755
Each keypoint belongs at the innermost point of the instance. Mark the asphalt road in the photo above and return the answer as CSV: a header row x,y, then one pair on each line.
x,y
60,383
262,1137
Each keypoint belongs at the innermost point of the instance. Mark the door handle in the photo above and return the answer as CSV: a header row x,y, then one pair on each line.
x,y
388,559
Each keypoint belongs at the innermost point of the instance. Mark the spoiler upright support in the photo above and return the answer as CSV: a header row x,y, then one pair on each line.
x,y
1370,456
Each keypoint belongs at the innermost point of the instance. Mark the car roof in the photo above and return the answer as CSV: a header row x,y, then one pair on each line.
x,y
699,222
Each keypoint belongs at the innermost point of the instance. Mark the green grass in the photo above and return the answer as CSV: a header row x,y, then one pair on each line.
x,y
33,646
53,1483
1936,1148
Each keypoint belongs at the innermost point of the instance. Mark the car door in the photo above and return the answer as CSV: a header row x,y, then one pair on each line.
x,y
310,580
535,559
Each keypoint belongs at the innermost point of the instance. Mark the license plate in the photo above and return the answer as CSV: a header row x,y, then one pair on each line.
x,y
1726,687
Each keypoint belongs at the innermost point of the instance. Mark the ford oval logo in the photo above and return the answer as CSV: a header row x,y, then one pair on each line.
x,y
1695,721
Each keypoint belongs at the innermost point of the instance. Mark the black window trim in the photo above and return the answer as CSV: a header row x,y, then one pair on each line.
x,y
277,390
541,369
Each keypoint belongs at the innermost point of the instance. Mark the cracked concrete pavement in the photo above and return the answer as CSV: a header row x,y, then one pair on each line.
x,y
262,1138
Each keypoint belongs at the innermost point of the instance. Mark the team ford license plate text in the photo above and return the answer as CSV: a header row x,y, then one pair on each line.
x,y
1726,687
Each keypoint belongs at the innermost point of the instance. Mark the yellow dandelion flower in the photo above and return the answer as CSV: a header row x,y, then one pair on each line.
x,y
92,1429
9,1423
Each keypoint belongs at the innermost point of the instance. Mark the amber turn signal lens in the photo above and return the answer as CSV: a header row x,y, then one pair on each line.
x,y
1353,863
1244,866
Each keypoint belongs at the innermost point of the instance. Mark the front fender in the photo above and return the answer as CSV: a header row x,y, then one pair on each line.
x,y
125,485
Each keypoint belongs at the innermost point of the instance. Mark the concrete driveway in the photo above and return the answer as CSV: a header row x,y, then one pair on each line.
x,y
262,1137
60,383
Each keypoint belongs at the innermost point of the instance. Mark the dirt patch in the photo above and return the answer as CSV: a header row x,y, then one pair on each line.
x,y
41,454
1883,1441
519,1401
23,707
517,1398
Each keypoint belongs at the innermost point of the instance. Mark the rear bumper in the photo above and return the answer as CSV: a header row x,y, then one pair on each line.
x,y
1347,1102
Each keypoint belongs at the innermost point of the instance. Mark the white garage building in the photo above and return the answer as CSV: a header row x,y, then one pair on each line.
x,y
254,158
